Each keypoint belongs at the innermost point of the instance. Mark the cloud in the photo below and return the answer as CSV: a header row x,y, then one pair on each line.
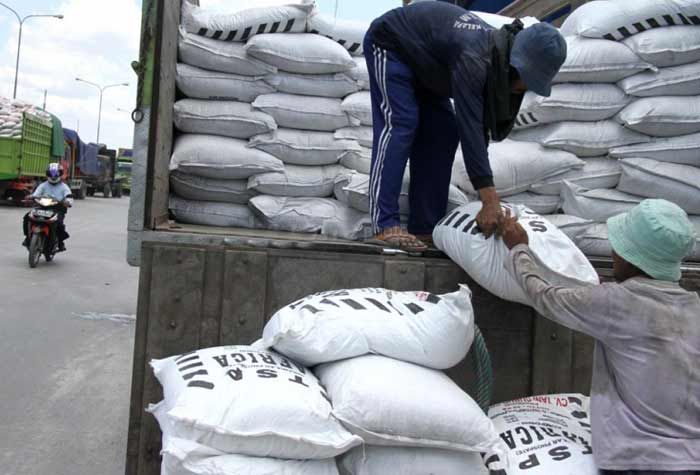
x,y
96,40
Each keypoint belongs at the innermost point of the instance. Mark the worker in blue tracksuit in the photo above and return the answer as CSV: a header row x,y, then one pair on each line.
x,y
419,57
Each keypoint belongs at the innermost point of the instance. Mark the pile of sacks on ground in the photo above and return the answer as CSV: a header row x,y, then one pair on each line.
x,y
350,382
622,123
11,116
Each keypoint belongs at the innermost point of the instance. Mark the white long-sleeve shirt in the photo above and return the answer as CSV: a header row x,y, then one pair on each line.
x,y
645,393
60,191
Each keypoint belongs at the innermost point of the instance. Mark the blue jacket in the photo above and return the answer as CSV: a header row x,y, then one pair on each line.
x,y
448,49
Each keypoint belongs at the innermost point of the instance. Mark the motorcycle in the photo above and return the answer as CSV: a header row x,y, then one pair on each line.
x,y
43,220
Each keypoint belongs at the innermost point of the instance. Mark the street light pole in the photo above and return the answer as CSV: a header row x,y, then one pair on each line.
x,y
19,40
102,89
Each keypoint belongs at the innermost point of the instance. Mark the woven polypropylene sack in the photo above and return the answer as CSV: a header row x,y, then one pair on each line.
x,y
209,213
431,330
222,56
597,173
498,21
199,83
323,114
363,134
540,204
595,205
592,61
217,157
667,46
348,33
360,73
679,184
458,236
228,118
336,85
673,81
301,53
198,188
665,116
302,147
560,423
240,25
620,19
373,459
298,181
684,150
251,402
580,102
569,225
360,161
359,107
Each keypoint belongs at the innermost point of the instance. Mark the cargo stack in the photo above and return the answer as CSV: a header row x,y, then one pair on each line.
x,y
11,116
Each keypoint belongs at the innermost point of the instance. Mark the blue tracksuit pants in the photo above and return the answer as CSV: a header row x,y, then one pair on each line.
x,y
408,123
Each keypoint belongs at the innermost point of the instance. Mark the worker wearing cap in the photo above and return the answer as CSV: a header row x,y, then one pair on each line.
x,y
419,57
645,394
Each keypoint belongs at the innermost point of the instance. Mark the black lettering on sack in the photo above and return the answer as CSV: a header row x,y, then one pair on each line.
x,y
275,25
624,32
639,27
231,35
289,26
191,366
298,380
246,33
294,305
694,19
325,396
267,358
201,372
669,20
354,304
390,303
202,32
451,217
414,308
261,28
653,23
188,359
377,304
285,363
253,359
610,37
539,436
575,400
460,221
531,462
526,438
235,374
560,453
238,357
684,20
300,368
310,308
434,299
532,118
549,431
579,414
538,226
329,302
342,42
523,118
222,360
266,373
587,447
185,355
354,47
217,34
507,437
200,384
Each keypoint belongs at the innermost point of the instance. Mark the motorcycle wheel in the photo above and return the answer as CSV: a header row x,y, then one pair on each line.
x,y
36,244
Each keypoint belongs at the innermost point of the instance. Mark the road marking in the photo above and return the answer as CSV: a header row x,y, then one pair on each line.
x,y
113,317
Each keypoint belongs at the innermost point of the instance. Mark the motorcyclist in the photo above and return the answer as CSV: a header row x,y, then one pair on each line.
x,y
55,188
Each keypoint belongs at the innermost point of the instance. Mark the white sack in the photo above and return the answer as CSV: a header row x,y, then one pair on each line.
x,y
458,236
559,425
303,112
228,118
572,226
597,173
391,402
585,139
593,241
241,400
679,184
202,84
373,460
360,73
684,150
220,157
435,331
301,53
517,165
208,213
540,204
589,60
674,81
349,34
363,134
223,56
184,457
595,205
359,107
667,46
498,21
308,215
298,181
664,116
193,187
336,85
582,102
300,147
360,161
239,25
620,19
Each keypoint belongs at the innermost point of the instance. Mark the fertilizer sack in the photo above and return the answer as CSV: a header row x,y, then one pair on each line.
x,y
360,73
198,83
359,161
303,147
363,134
349,34
227,118
322,114
662,116
597,173
674,81
540,204
249,402
431,330
208,213
359,107
336,85
198,188
242,24
546,434
395,403
373,460
667,46
305,53
298,181
595,205
620,19
684,149
458,236
570,225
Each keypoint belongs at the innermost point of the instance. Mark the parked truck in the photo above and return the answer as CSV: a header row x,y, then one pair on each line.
x,y
124,164
91,168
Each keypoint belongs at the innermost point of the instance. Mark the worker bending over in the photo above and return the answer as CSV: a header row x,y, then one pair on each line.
x,y
419,57
645,394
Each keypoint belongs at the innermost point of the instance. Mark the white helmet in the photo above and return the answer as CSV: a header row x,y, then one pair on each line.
x,y
54,173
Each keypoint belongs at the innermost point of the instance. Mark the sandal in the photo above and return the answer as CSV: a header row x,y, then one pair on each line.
x,y
397,238
426,239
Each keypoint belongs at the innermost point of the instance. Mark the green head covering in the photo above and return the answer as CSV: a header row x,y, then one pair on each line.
x,y
654,236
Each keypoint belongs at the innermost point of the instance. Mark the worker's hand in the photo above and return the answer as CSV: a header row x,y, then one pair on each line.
x,y
512,232
490,217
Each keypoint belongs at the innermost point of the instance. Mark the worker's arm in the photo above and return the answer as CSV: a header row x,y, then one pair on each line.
x,y
37,193
468,80
67,196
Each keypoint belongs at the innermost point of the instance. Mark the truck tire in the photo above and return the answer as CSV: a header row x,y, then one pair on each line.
x,y
90,191
117,191
107,190
82,193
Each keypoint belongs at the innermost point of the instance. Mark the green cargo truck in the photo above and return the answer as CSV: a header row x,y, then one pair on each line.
x,y
23,160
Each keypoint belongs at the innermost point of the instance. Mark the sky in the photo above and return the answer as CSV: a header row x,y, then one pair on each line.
x,y
97,40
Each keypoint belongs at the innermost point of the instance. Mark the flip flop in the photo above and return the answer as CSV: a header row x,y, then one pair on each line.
x,y
397,238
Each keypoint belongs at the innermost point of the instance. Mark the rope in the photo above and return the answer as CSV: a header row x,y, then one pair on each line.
x,y
483,387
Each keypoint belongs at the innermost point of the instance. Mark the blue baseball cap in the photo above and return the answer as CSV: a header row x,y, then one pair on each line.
x,y
537,53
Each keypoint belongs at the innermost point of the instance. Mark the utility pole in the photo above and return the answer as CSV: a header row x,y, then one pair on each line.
x,y
102,90
45,92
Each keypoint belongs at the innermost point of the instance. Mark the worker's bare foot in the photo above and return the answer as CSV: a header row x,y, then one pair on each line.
x,y
397,238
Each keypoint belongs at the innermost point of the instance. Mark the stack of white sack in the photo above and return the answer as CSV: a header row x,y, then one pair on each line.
x,y
378,353
627,102
12,116
264,91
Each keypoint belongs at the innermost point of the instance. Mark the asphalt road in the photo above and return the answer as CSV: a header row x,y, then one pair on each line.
x,y
66,341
